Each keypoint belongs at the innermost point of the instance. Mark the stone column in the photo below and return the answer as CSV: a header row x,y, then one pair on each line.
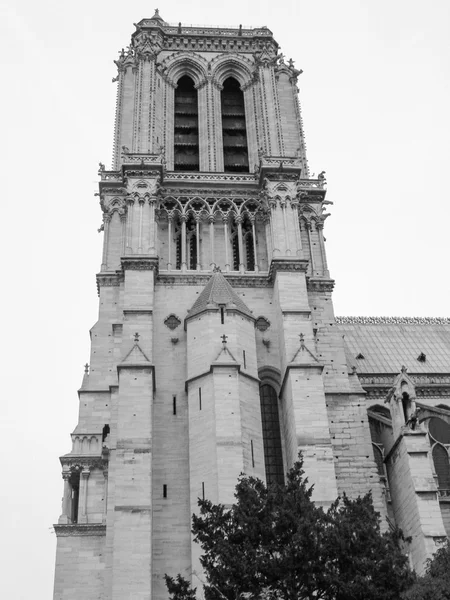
x,y
227,242
197,240
215,132
106,222
105,495
211,238
241,245
123,220
141,220
326,272
295,220
287,249
129,243
203,120
308,226
169,241
273,227
152,244
82,501
183,242
252,219
66,500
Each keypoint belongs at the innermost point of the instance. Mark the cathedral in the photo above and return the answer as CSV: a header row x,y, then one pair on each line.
x,y
216,350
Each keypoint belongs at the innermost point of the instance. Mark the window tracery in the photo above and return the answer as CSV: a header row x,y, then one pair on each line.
x,y
210,221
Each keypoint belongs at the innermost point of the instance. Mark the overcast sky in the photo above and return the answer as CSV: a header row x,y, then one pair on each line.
x,y
375,95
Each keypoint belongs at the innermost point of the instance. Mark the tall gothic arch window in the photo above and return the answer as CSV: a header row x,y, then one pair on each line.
x,y
191,237
273,455
235,150
439,432
177,240
186,149
248,245
235,245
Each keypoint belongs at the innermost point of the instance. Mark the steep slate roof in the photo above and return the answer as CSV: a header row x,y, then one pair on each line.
x,y
218,291
387,343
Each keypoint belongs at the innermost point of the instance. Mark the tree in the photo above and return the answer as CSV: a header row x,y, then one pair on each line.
x,y
276,544
435,584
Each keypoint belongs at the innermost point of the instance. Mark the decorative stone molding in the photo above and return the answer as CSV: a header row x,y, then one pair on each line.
x,y
71,462
320,285
202,279
287,264
232,65
139,263
108,280
393,320
209,177
188,63
78,529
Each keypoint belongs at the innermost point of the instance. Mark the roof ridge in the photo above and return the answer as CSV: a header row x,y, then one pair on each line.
x,y
393,320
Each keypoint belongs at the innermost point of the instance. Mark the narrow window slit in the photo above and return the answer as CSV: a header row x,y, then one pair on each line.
x,y
200,398
165,490
253,455
203,490
174,401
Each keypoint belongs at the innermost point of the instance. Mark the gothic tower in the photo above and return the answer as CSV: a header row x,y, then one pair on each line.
x,y
216,350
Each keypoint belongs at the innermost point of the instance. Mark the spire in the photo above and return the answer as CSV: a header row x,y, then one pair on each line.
x,y
218,292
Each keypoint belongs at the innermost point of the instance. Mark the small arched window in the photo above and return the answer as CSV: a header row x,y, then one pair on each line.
x,y
186,148
273,455
234,132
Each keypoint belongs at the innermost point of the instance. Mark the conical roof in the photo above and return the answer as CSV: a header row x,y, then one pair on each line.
x,y
157,17
218,292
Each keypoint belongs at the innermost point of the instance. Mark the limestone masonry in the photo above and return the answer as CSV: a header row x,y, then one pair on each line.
x,y
216,349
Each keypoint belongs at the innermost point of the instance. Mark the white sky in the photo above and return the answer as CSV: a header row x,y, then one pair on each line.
x,y
375,94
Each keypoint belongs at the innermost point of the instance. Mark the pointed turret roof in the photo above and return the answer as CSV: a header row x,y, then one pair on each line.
x,y
218,292
157,17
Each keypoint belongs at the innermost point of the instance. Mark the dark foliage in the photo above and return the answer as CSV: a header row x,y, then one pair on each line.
x,y
435,584
274,543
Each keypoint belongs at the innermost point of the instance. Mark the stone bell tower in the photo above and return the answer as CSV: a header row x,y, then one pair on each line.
x,y
215,350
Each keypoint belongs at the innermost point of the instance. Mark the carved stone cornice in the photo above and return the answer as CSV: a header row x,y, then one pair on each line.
x,y
260,280
319,285
108,280
140,263
426,385
287,264
211,178
80,529
80,462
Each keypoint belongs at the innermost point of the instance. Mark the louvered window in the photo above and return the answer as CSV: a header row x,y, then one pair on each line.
x,y
270,419
235,151
186,149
